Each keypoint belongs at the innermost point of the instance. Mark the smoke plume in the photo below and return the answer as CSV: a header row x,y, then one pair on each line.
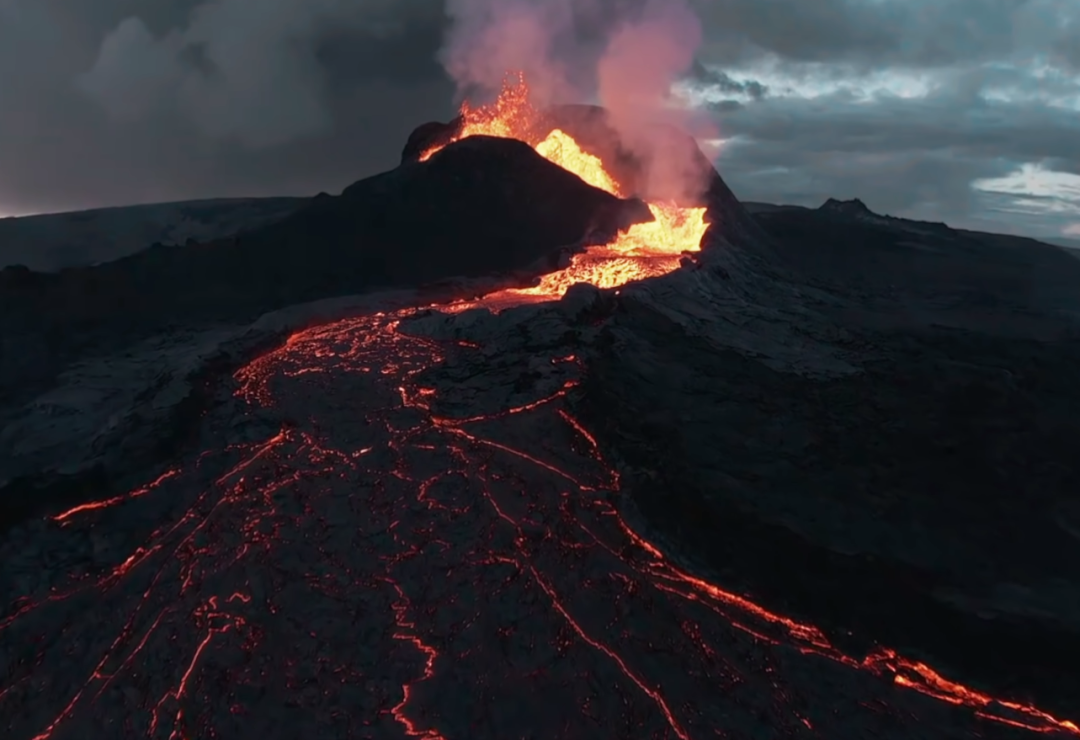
x,y
644,57
489,38
625,54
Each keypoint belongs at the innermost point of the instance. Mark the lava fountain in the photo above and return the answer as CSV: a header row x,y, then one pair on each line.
x,y
643,251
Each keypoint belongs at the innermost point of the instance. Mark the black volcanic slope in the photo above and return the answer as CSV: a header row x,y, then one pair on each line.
x,y
591,128
55,241
929,502
482,206
1000,283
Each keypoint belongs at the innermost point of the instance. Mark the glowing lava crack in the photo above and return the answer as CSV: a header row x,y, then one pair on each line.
x,y
378,567
381,570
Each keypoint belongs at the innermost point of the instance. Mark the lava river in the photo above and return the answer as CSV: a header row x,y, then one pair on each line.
x,y
388,532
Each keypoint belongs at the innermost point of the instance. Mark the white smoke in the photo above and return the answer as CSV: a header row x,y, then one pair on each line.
x,y
636,74
644,47
489,38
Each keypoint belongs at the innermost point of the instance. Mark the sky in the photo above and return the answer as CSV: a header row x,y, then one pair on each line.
x,y
963,111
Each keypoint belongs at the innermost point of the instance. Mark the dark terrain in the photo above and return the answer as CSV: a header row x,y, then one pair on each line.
x,y
933,499
55,241
481,207
861,423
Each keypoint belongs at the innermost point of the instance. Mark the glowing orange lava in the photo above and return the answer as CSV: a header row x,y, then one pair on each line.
x,y
356,570
560,148
643,251
508,117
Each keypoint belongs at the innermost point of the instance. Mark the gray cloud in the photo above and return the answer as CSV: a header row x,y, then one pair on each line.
x,y
872,33
721,81
1066,47
913,158
903,103
115,102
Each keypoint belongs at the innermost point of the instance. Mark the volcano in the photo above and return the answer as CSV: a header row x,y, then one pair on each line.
x,y
487,207
501,443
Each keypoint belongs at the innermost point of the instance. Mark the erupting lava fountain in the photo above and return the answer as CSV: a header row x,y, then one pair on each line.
x,y
644,250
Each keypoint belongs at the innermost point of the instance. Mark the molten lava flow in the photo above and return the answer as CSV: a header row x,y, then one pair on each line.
x,y
643,251
560,148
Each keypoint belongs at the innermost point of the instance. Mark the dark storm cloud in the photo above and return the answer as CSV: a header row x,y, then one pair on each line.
x,y
943,110
804,31
871,33
904,103
721,81
121,101
117,102
1066,48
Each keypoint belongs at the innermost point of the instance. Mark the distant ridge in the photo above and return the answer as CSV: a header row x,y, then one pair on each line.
x,y
1061,241
54,241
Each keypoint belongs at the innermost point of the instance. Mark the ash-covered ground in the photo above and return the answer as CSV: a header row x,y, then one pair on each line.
x,y
818,482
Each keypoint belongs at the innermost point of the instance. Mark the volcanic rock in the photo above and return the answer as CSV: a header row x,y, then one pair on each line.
x,y
590,126
427,136
17,276
857,211
933,473
482,206
340,560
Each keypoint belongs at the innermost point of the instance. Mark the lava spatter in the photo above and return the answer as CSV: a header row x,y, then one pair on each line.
x,y
510,116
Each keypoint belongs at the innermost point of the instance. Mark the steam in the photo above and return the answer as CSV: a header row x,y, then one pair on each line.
x,y
633,53
489,38
635,76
